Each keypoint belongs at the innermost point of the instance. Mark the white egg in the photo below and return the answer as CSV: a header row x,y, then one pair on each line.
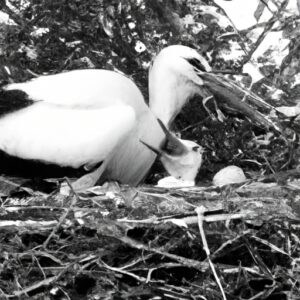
x,y
228,175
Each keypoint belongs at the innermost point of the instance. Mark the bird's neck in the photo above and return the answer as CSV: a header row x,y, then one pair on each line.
x,y
168,93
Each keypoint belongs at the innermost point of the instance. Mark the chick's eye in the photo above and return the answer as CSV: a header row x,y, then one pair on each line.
x,y
195,148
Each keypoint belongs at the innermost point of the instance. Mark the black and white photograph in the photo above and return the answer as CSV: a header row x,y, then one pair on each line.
x,y
150,149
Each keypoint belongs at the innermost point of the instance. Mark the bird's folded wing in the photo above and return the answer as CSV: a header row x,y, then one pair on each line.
x,y
78,88
65,136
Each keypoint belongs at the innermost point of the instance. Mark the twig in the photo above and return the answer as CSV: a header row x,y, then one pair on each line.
x,y
195,124
39,266
227,243
268,27
39,254
189,219
187,262
257,259
32,73
63,217
118,270
45,282
242,41
269,165
28,223
200,212
272,246
2,294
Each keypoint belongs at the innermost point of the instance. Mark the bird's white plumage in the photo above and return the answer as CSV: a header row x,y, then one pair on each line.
x,y
173,80
95,90
65,136
82,117
83,89
187,164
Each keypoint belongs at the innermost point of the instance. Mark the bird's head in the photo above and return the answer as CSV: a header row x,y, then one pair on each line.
x,y
181,158
184,165
183,60
173,79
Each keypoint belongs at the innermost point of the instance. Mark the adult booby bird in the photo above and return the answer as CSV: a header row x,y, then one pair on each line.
x,y
84,117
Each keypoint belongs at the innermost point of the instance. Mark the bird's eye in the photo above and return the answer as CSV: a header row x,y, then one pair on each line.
x,y
195,148
196,64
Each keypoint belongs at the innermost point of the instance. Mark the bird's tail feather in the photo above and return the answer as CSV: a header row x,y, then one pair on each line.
x,y
13,100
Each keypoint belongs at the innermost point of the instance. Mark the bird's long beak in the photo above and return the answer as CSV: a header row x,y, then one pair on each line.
x,y
254,107
156,151
172,145
233,96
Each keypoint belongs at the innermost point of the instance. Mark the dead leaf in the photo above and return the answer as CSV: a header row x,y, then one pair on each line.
x,y
260,9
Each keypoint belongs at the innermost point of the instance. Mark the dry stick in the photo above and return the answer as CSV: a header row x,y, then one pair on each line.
x,y
174,292
2,294
194,124
136,261
272,246
32,73
63,217
65,293
269,165
187,262
118,270
39,266
200,212
42,283
242,41
190,219
45,282
227,243
268,27
14,209
41,254
267,6
161,266
28,223
258,260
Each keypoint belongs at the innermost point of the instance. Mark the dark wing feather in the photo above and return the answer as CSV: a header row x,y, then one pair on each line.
x,y
13,100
